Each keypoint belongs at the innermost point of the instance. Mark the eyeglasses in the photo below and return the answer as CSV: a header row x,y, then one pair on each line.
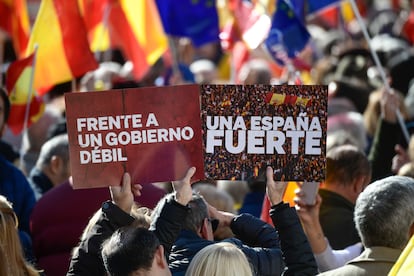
x,y
214,223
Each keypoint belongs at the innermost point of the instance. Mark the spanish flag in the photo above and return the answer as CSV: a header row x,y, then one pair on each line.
x,y
279,99
14,20
136,28
63,49
25,104
133,26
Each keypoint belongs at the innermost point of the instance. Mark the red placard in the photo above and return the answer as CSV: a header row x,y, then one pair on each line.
x,y
152,133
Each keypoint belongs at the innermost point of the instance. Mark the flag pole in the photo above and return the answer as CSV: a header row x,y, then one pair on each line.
x,y
29,98
174,56
379,66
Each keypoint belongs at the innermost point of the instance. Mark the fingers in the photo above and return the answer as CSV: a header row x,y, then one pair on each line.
x,y
269,174
136,189
126,182
190,172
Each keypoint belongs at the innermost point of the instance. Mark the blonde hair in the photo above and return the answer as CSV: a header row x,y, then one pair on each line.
x,y
11,252
219,259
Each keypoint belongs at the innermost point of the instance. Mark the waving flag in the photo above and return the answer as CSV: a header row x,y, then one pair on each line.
x,y
22,97
14,20
136,28
287,35
63,53
133,26
195,19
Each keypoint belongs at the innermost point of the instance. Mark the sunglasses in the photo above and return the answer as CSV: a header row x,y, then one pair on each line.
x,y
214,224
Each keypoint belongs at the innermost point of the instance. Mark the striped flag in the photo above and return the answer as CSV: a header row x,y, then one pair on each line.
x,y
136,26
133,26
14,20
279,99
63,49
18,80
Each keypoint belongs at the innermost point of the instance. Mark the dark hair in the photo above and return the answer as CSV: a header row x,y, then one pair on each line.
x,y
197,213
346,163
6,101
128,250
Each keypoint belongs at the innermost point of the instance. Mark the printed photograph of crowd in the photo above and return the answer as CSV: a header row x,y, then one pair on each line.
x,y
250,100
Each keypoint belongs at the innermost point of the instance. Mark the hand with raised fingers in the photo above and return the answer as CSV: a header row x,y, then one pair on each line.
x,y
182,188
123,195
308,214
274,189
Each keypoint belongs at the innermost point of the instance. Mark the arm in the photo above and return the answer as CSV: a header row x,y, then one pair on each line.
x,y
296,249
167,225
326,258
86,258
387,135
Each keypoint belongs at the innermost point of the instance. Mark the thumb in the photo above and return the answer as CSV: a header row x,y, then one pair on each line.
x,y
269,173
126,183
190,172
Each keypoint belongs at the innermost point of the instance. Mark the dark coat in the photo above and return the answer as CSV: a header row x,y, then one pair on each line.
x,y
87,259
260,242
337,220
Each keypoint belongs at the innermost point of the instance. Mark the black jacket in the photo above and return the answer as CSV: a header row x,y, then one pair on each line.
x,y
260,242
87,260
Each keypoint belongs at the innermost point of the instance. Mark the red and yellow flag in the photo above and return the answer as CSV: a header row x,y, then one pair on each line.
x,y
133,26
18,81
63,49
136,27
14,20
279,99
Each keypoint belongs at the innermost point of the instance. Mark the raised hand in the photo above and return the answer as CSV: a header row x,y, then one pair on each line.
x,y
274,189
182,188
123,196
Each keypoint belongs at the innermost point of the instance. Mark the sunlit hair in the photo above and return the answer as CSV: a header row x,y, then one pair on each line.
x,y
219,259
11,253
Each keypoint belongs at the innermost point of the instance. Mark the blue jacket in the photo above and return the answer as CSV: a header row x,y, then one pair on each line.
x,y
15,187
260,242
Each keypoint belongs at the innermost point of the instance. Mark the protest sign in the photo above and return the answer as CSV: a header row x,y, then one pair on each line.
x,y
152,133
249,127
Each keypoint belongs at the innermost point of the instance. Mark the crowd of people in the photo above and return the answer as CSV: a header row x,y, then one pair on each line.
x,y
362,219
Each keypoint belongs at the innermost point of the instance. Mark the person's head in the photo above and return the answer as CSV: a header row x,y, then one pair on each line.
x,y
54,159
11,252
219,199
219,259
197,220
4,109
384,212
348,171
255,71
134,251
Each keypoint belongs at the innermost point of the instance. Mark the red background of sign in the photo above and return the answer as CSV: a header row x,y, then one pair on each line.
x,y
173,106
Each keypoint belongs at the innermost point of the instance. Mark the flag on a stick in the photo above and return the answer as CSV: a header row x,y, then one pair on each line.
x,y
22,95
63,53
287,36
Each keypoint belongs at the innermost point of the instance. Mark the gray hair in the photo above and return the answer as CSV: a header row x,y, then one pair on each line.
x,y
197,213
384,212
58,145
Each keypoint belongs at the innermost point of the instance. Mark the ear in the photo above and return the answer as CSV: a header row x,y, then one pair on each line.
x,y
159,257
55,164
359,184
206,232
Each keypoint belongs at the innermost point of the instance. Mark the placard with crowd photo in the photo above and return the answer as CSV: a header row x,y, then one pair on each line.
x,y
247,127
152,133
